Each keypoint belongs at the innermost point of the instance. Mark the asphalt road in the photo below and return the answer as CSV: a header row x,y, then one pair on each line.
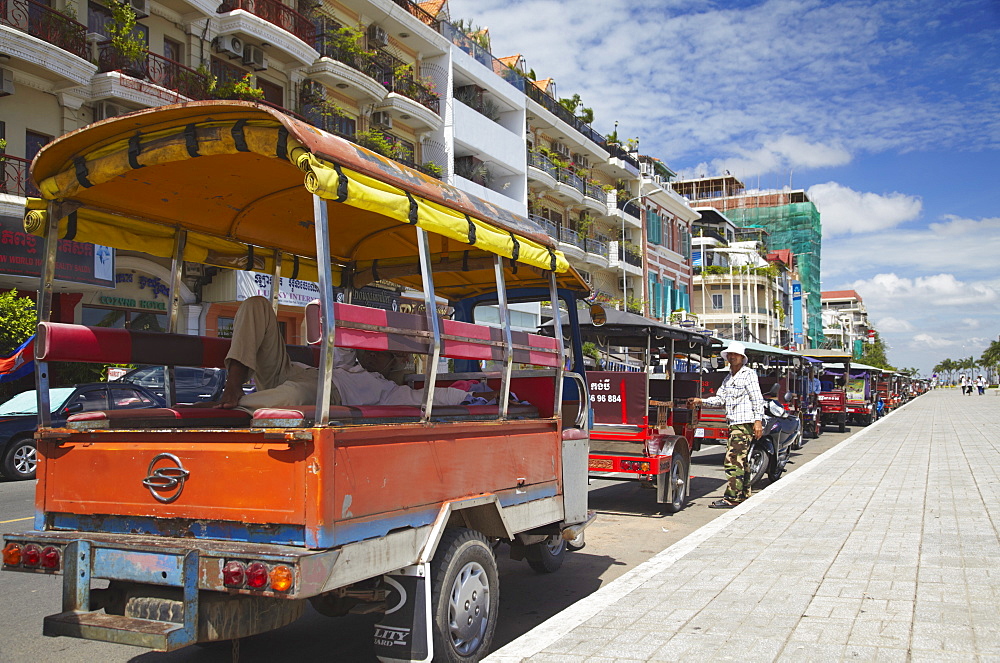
x,y
630,529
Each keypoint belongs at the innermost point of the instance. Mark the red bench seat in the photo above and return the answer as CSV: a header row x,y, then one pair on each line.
x,y
159,417
386,414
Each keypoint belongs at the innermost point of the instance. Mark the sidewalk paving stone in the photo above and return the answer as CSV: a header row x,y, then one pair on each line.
x,y
885,548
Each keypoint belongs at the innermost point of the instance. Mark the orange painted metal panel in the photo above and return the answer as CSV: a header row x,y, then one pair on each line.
x,y
233,476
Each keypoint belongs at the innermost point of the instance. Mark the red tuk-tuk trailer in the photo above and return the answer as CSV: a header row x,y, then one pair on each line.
x,y
833,395
638,394
861,392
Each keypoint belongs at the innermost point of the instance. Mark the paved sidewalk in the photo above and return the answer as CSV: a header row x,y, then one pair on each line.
x,y
885,548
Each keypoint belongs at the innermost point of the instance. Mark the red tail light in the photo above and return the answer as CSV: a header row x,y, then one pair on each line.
x,y
50,558
257,576
233,574
32,556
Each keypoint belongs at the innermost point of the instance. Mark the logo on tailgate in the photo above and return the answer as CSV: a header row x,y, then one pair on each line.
x,y
166,483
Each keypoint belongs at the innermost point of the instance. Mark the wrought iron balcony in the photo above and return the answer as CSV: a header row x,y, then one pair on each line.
x,y
616,151
418,12
275,13
567,176
15,177
629,257
156,69
630,208
47,24
557,109
542,162
596,245
595,191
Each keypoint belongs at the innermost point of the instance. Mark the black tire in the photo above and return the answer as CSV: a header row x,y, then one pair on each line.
x,y
842,427
21,459
679,480
547,556
465,596
758,462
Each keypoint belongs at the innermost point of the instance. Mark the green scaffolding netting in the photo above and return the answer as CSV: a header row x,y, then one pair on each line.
x,y
795,226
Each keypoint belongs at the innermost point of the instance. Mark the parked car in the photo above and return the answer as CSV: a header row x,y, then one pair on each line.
x,y
194,384
19,418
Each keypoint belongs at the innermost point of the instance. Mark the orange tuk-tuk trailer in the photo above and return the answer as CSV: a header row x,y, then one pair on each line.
x,y
212,524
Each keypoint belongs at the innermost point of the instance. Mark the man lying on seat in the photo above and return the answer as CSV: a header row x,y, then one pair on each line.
x,y
258,351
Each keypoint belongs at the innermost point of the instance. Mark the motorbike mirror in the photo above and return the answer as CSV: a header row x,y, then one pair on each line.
x,y
598,316
789,396
720,362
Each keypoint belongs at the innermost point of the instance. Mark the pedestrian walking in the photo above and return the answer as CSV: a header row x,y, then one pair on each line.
x,y
740,393
963,383
981,385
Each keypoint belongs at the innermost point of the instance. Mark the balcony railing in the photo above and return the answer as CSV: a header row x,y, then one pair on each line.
x,y
616,151
398,76
557,109
596,245
629,257
595,191
275,13
47,24
15,177
156,69
630,208
418,12
542,162
567,176
559,233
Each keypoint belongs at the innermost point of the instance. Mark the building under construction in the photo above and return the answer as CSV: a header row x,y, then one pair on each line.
x,y
791,220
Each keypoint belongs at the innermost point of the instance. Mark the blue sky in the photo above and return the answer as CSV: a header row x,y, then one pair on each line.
x,y
887,113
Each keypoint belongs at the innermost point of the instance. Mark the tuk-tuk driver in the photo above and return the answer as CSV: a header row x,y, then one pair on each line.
x,y
740,393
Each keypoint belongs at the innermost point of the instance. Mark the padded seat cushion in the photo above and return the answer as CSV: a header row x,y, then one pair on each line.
x,y
160,417
384,414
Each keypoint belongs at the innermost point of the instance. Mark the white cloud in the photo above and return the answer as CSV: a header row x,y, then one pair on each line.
x,y
844,210
928,341
890,324
780,84
967,248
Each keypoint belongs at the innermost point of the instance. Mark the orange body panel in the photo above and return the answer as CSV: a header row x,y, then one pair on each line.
x,y
346,484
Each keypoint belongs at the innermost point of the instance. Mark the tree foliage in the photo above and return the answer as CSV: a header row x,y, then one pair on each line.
x,y
17,321
874,354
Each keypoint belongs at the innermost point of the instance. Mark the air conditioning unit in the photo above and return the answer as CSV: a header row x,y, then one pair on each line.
x,y
140,7
105,109
561,149
6,82
254,56
382,119
377,35
231,45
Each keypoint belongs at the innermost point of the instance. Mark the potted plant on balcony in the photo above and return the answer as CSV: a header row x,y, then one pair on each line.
x,y
239,88
127,45
376,141
343,44
432,169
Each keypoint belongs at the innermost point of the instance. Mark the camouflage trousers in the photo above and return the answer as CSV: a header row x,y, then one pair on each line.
x,y
735,464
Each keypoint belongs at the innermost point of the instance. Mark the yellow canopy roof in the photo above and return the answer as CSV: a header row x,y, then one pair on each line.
x,y
238,175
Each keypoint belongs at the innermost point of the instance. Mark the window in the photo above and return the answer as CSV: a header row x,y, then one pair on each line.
x,y
717,302
172,51
94,316
99,17
125,398
273,93
224,327
88,401
736,303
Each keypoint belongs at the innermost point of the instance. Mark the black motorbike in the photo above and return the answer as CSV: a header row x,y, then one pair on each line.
x,y
782,434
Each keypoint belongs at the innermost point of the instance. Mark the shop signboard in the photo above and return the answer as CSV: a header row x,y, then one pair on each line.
x,y
77,262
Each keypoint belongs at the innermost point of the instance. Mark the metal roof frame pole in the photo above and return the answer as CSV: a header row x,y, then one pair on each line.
x,y
433,322
560,345
508,340
44,306
176,269
276,280
329,322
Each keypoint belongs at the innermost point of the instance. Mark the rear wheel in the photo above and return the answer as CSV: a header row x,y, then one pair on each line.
x,y
21,459
758,461
842,427
547,556
678,480
465,595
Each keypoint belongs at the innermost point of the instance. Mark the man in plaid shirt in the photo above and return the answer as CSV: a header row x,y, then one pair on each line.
x,y
740,393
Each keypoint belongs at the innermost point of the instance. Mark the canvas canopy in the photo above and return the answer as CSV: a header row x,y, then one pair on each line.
x,y
239,178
